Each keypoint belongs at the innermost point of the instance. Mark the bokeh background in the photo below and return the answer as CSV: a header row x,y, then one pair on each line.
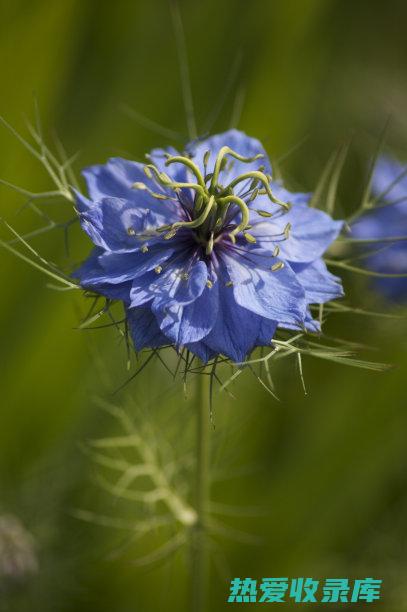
x,y
326,472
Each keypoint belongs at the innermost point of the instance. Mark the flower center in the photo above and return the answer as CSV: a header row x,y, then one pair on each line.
x,y
216,208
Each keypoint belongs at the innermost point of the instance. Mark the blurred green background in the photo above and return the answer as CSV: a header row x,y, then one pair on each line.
x,y
326,472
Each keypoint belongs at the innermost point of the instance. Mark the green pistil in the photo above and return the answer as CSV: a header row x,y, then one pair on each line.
x,y
261,178
193,224
219,160
212,201
243,209
186,161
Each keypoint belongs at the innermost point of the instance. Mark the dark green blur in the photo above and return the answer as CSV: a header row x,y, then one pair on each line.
x,y
327,472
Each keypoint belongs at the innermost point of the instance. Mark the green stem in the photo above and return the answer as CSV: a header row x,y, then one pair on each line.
x,y
200,556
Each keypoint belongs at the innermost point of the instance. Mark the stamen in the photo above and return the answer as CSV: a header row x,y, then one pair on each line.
x,y
144,248
251,239
209,284
163,228
206,159
131,231
158,196
229,284
276,251
287,230
170,234
254,195
158,269
209,246
161,177
277,266
263,213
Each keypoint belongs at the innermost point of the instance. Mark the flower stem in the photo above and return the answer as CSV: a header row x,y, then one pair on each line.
x,y
200,557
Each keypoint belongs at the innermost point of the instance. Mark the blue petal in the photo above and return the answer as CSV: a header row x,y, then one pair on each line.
x,y
240,143
271,294
82,203
144,329
171,288
140,292
392,259
119,267
263,203
266,333
287,196
389,221
90,269
236,329
201,350
319,284
184,324
311,233
114,268
113,292
389,184
309,324
390,179
114,179
118,225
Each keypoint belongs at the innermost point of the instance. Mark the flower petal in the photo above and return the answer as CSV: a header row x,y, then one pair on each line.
x,y
189,323
92,269
236,329
144,329
311,233
114,179
267,329
119,267
116,224
171,287
309,324
389,221
390,179
201,350
271,294
319,284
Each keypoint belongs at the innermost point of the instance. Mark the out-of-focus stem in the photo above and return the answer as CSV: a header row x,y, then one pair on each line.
x,y
200,552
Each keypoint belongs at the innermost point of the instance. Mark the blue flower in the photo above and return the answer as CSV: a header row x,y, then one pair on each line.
x,y
204,249
387,220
